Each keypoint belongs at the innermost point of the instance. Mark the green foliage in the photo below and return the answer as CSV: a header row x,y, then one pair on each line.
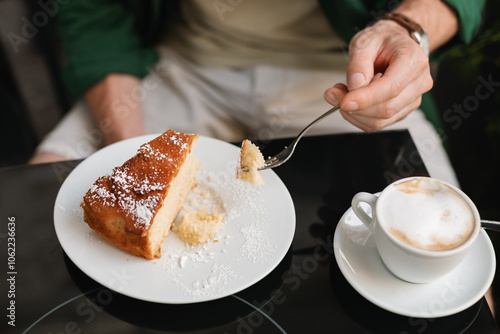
x,y
474,148
483,57
486,46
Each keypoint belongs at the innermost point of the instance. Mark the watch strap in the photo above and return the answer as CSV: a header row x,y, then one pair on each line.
x,y
405,22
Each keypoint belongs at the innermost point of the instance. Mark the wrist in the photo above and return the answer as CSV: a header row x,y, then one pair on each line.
x,y
414,29
436,17
115,107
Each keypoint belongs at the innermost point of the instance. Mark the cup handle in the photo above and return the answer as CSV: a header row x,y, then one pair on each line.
x,y
369,199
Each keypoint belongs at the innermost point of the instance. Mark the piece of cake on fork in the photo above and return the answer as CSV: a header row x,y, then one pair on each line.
x,y
250,159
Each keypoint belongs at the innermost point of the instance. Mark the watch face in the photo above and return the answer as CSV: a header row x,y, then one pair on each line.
x,y
425,43
422,39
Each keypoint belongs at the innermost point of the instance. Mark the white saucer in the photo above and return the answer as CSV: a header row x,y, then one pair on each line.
x,y
361,265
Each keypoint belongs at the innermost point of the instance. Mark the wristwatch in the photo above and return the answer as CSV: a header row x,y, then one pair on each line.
x,y
417,33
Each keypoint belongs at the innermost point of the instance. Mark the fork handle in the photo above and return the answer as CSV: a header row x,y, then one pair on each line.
x,y
490,225
303,132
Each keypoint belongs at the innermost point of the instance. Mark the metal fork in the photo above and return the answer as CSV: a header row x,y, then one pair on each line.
x,y
284,155
490,225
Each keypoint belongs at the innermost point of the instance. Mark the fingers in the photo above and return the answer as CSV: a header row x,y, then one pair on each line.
x,y
388,48
384,108
403,72
375,123
378,116
335,94
373,102
363,52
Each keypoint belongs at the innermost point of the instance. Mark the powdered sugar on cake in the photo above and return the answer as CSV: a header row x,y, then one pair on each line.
x,y
103,194
137,193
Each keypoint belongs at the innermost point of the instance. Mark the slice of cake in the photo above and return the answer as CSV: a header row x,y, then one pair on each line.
x,y
135,206
250,159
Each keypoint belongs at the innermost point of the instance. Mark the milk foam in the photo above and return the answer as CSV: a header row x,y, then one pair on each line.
x,y
427,215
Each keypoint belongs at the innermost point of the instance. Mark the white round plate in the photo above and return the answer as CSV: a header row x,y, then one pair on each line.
x,y
361,265
259,224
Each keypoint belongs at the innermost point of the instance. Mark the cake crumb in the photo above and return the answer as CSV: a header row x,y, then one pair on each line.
x,y
250,158
193,202
199,226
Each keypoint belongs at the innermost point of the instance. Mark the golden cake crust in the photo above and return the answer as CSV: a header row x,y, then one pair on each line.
x,y
122,207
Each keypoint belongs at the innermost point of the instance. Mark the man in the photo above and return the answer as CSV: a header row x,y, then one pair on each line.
x,y
237,69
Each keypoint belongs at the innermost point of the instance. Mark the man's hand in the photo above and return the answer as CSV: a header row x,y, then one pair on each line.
x,y
115,105
371,102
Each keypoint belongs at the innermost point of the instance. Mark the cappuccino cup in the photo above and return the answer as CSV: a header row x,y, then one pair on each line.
x,y
422,227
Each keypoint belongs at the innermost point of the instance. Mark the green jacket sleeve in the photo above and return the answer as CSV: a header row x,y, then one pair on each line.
x,y
469,17
350,16
100,37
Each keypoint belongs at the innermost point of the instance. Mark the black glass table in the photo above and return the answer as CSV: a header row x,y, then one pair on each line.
x,y
305,293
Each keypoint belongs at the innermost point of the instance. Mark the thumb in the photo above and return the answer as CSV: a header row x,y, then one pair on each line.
x,y
360,67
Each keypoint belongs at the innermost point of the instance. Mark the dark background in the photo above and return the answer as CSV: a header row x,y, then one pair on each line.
x,y
473,139
32,98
